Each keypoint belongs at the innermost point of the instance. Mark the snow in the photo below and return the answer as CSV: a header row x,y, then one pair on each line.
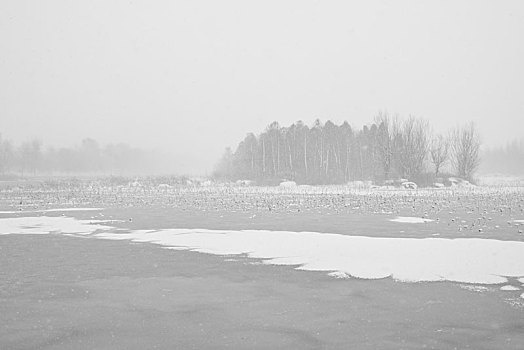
x,y
409,185
509,288
479,289
410,220
465,260
481,261
338,274
164,187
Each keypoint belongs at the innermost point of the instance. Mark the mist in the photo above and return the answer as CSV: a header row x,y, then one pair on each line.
x,y
190,78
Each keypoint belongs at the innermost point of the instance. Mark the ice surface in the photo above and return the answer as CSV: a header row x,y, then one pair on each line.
x,y
47,224
411,220
465,260
51,210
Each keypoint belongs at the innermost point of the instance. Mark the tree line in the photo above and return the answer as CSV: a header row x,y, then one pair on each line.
x,y
508,159
326,153
31,158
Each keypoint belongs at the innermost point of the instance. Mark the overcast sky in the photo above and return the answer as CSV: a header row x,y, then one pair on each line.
x,y
196,76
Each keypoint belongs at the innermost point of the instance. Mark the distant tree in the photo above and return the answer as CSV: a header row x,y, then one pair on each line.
x,y
224,168
66,160
508,159
412,147
346,136
363,153
6,155
384,143
439,152
30,154
263,142
315,151
331,156
251,149
465,147
121,157
273,132
90,155
302,131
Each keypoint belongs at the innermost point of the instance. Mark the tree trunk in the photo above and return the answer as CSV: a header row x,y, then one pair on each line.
x,y
305,153
263,157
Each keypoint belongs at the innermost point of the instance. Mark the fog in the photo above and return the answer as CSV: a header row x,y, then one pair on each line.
x,y
193,77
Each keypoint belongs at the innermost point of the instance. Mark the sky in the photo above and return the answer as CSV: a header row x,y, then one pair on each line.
x,y
194,77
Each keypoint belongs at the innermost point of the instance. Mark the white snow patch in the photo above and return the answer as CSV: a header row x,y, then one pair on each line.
x,y
519,221
288,184
472,260
509,288
475,288
338,274
411,220
521,280
409,185
464,260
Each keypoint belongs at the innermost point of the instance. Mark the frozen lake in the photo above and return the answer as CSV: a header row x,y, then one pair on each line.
x,y
465,260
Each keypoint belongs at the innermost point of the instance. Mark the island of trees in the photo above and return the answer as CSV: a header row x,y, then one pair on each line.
x,y
325,153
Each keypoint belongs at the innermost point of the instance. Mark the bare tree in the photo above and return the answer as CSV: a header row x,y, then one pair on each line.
x,y
6,155
385,142
465,146
224,168
30,154
412,142
273,131
439,152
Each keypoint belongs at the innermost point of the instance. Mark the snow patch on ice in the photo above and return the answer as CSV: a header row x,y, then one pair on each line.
x,y
509,288
475,288
338,274
464,260
410,220
473,260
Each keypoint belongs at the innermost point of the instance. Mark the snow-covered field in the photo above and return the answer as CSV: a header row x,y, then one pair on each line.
x,y
359,198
